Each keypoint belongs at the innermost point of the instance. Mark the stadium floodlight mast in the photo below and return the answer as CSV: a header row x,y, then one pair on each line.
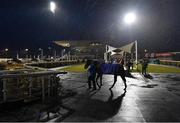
x,y
52,7
130,18
40,49
26,50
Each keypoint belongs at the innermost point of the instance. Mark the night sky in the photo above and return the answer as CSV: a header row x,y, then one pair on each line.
x,y
30,24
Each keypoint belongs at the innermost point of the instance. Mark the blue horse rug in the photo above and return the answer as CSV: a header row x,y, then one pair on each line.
x,y
111,68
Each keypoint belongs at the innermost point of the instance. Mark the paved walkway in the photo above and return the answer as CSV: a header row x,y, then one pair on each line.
x,y
155,100
147,100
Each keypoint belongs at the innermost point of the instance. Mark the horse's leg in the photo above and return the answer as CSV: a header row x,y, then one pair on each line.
x,y
94,82
115,80
97,78
122,74
89,82
99,75
124,80
48,115
101,78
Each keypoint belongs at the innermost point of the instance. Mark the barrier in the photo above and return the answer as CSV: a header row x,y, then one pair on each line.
x,y
28,86
170,62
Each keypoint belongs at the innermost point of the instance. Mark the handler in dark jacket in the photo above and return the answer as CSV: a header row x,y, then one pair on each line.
x,y
144,66
92,75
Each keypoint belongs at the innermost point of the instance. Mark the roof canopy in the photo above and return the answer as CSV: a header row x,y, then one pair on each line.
x,y
127,48
78,43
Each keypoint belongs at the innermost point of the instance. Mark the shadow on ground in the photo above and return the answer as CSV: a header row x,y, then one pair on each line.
x,y
36,110
148,76
128,74
149,86
101,110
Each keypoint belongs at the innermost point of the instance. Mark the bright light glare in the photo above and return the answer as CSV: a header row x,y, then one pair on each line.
x,y
130,18
6,49
52,6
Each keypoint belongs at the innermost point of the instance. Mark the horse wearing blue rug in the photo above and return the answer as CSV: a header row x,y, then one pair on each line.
x,y
107,68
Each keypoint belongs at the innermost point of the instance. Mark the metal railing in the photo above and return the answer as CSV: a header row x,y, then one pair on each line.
x,y
28,86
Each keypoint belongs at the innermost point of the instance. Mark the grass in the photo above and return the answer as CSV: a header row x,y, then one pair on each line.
x,y
75,68
151,69
6,66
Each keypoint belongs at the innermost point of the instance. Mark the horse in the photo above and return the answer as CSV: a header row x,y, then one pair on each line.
x,y
107,68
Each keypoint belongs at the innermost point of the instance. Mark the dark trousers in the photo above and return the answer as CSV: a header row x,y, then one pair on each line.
x,y
144,70
91,78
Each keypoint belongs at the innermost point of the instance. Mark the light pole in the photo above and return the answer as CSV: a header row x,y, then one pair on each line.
x,y
41,50
129,19
62,53
52,7
146,55
49,54
6,52
55,55
26,50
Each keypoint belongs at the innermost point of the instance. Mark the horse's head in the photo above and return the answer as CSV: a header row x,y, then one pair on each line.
x,y
88,62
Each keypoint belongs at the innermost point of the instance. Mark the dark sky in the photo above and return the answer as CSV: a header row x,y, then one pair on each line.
x,y
29,23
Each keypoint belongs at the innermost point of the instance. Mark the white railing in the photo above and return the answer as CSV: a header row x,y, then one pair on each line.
x,y
28,86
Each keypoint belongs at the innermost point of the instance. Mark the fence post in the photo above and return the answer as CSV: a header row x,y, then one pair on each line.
x,y
49,86
43,89
30,86
4,90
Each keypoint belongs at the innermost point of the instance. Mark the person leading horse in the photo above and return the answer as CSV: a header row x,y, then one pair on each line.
x,y
104,68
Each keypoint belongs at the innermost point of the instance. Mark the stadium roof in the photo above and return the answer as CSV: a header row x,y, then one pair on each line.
x,y
78,43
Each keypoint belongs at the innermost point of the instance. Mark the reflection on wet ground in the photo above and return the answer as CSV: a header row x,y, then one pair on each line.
x,y
170,81
145,98
152,98
150,85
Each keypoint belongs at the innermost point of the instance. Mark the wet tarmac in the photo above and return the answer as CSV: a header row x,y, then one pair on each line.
x,y
153,98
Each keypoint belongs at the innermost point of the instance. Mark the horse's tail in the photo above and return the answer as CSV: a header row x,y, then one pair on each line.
x,y
85,66
88,62
121,70
118,69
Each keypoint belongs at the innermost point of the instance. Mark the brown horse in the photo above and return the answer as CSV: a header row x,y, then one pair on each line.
x,y
104,68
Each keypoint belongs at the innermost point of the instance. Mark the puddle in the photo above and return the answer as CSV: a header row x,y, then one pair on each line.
x,y
68,93
175,84
133,85
149,86
145,86
175,78
178,94
172,89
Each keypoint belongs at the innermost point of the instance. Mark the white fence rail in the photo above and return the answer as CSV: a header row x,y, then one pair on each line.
x,y
28,86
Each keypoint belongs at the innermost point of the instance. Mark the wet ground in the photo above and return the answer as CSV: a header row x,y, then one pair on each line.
x,y
153,98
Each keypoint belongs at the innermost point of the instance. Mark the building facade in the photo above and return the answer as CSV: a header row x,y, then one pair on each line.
x,y
83,49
